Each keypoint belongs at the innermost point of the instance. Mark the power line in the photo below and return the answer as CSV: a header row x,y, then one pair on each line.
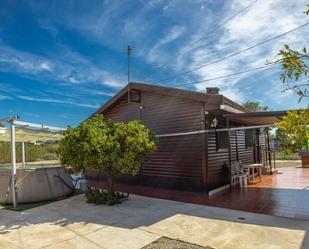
x,y
220,24
192,46
225,76
234,54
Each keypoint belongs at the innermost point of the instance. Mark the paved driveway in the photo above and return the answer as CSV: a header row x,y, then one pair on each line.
x,y
72,223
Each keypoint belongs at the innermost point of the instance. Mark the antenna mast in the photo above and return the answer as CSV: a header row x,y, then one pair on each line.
x,y
129,53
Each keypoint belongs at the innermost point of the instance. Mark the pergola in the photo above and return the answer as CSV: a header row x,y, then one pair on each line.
x,y
23,132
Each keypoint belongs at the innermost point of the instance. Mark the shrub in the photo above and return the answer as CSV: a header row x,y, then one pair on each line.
x,y
99,196
112,147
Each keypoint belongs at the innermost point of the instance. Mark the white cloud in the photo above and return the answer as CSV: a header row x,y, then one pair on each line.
x,y
263,20
68,67
46,66
156,53
3,97
284,99
57,101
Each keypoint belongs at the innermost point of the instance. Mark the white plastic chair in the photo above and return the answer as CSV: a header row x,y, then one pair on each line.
x,y
238,174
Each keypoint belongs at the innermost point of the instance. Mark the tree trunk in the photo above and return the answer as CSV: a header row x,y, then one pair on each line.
x,y
110,185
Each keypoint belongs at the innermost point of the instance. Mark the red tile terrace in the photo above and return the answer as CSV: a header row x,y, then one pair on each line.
x,y
284,194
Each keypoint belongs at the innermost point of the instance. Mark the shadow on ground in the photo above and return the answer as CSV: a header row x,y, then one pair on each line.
x,y
147,219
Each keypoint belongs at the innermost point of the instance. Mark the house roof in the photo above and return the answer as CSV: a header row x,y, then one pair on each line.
x,y
257,118
214,100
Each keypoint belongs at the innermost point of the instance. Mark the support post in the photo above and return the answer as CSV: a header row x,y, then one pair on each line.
x,y
269,152
236,140
205,148
13,161
229,151
23,153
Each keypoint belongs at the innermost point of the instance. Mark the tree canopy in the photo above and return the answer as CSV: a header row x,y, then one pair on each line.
x,y
293,131
112,147
255,106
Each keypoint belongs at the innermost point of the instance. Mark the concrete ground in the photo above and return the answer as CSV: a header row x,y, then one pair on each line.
x,y
72,223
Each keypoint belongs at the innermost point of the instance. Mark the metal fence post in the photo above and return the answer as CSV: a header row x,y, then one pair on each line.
x,y
13,161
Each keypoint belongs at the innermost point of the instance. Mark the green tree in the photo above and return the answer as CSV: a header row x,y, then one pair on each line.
x,y
293,131
295,69
113,147
255,106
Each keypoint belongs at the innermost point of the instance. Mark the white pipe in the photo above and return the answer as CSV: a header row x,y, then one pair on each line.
x,y
13,161
214,130
39,126
23,153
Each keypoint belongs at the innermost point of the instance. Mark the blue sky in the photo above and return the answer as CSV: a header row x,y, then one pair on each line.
x,y
60,60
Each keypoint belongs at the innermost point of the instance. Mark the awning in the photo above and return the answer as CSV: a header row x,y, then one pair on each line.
x,y
29,132
256,118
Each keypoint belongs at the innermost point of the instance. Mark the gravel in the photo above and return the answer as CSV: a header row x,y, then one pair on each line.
x,y
167,243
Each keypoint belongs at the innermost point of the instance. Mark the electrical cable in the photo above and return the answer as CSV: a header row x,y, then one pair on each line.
x,y
234,54
224,76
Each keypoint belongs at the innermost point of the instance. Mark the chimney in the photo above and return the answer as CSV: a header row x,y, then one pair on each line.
x,y
212,90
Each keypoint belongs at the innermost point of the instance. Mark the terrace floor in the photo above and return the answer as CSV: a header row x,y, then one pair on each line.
x,y
284,194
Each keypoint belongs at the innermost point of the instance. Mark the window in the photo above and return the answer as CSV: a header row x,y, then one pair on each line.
x,y
249,138
222,140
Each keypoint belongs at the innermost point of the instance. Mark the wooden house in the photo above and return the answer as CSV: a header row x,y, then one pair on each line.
x,y
186,157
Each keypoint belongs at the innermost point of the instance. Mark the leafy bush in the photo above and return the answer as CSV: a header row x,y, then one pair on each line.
x,y
99,196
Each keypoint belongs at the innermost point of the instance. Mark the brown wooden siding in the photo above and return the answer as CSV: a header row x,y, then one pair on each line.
x,y
124,111
217,163
179,156
245,154
177,159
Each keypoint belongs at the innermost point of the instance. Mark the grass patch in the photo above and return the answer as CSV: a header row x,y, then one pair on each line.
x,y
26,206
280,155
288,164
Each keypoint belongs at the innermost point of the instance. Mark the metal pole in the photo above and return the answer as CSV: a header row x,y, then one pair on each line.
x,y
23,153
129,53
229,153
269,152
13,161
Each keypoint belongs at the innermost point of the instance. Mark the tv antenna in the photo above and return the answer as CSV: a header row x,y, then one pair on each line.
x,y
129,51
